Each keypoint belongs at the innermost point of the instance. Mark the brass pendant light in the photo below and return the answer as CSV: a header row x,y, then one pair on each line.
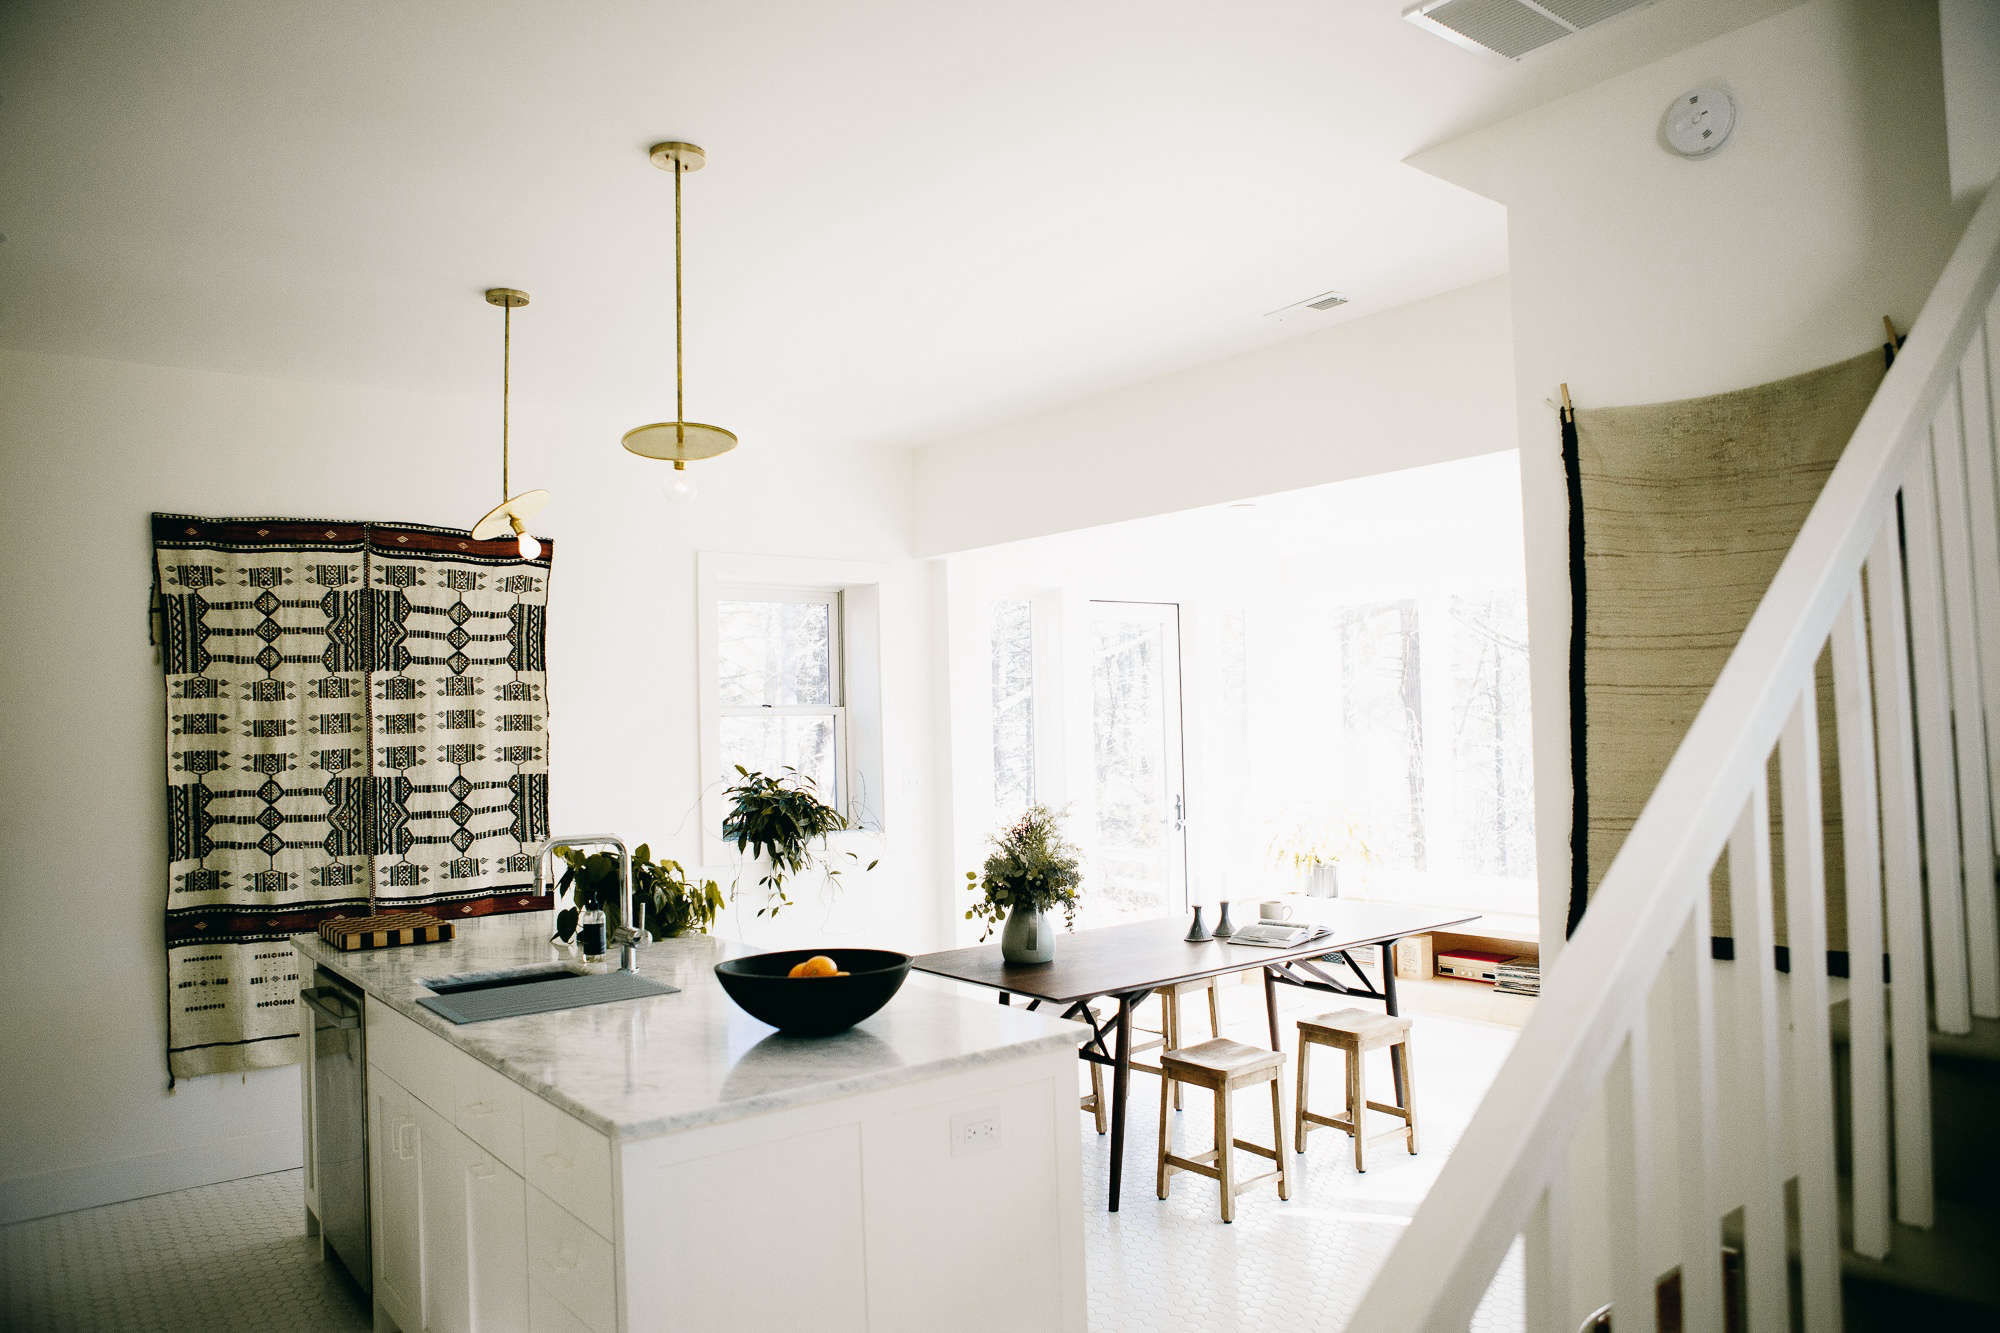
x,y
678,441
513,511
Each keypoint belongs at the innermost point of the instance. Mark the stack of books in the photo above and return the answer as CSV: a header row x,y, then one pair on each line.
x,y
1518,976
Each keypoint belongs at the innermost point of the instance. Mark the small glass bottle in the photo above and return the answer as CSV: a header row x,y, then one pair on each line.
x,y
590,934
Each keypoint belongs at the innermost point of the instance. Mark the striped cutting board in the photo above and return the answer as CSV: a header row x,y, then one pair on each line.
x,y
384,930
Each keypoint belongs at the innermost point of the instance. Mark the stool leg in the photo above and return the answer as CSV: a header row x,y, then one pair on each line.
x,y
1299,1104
1170,1019
1410,1095
1097,1094
1357,1106
1278,1134
1224,1153
1165,1141
1214,1009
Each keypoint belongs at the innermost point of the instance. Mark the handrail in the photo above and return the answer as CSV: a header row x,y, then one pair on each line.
x,y
1590,999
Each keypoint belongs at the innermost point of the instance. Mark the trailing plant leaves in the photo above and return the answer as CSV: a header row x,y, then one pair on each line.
x,y
779,819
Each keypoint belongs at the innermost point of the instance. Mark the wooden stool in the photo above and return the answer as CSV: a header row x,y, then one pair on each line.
x,y
1170,1037
1357,1031
1222,1066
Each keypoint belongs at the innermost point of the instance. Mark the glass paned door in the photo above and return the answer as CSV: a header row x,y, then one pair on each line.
x,y
1139,851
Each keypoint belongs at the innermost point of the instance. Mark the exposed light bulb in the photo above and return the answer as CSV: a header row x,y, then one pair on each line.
x,y
530,548
681,487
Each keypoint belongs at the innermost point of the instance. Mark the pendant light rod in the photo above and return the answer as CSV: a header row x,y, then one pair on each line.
x,y
508,299
506,387
680,380
679,441
513,511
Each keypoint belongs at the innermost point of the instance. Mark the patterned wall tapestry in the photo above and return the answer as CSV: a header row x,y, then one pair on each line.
x,y
357,720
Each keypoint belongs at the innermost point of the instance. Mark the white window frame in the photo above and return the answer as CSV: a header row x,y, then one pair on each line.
x,y
836,709
854,590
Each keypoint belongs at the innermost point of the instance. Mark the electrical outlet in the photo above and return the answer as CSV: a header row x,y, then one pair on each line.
x,y
974,1132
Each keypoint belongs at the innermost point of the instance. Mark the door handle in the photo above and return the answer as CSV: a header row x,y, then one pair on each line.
x,y
406,1140
1180,812
315,999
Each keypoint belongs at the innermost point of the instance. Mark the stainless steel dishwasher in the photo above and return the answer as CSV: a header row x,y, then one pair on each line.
x,y
340,1119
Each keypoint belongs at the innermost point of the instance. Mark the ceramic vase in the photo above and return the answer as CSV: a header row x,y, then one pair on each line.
x,y
1027,937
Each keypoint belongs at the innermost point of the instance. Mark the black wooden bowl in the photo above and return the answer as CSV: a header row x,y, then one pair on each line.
x,y
813,1006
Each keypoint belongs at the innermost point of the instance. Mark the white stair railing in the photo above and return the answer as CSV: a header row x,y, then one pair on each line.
x,y
1610,1098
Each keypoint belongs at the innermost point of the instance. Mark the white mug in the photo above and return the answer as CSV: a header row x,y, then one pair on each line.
x,y
1275,910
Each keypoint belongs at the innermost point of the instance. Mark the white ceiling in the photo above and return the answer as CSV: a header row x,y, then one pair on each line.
x,y
920,217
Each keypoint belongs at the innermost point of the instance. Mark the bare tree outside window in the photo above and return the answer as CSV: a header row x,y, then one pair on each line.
x,y
1013,709
1491,748
1382,728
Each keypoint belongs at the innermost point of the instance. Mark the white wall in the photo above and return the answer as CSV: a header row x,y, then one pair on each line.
x,y
1969,34
1637,276
91,447
1418,384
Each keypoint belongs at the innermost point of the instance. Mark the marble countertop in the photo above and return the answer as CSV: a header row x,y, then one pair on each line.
x,y
637,1068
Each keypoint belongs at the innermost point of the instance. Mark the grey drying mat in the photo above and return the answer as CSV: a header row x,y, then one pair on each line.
x,y
542,997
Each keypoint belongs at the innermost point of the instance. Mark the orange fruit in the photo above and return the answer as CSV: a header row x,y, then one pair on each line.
x,y
819,965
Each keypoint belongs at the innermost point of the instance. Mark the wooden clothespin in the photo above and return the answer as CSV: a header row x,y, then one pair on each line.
x,y
1889,327
1568,408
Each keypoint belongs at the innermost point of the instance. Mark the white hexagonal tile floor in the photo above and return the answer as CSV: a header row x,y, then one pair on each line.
x,y
229,1256
236,1255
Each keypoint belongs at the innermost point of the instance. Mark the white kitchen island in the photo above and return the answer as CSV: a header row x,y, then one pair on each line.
x,y
672,1163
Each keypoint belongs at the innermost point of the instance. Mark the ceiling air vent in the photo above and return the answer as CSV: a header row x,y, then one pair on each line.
x,y
1512,28
1324,301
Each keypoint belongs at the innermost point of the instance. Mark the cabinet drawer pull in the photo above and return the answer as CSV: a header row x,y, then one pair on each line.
x,y
557,1161
406,1140
481,1170
566,1258
482,1108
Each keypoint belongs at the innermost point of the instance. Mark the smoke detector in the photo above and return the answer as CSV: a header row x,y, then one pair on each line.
x,y
1512,28
1312,305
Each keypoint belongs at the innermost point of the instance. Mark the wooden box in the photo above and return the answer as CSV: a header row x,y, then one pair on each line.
x,y
1414,960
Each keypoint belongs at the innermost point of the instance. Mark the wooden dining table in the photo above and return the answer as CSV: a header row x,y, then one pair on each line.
x,y
1126,963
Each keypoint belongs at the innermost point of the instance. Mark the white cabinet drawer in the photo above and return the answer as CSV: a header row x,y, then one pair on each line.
x,y
570,1262
486,1107
570,1162
410,1055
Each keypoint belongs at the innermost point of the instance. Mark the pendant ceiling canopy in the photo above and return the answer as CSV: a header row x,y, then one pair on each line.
x,y
679,441
513,511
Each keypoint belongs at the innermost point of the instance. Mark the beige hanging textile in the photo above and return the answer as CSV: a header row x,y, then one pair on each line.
x,y
1681,514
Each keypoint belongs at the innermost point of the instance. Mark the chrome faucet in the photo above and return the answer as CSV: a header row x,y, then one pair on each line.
x,y
627,939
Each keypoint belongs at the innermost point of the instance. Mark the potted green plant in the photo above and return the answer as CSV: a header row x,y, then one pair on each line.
x,y
780,820
1319,845
666,901
1031,870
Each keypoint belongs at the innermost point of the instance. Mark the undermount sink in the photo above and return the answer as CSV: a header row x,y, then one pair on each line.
x,y
478,997
518,976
